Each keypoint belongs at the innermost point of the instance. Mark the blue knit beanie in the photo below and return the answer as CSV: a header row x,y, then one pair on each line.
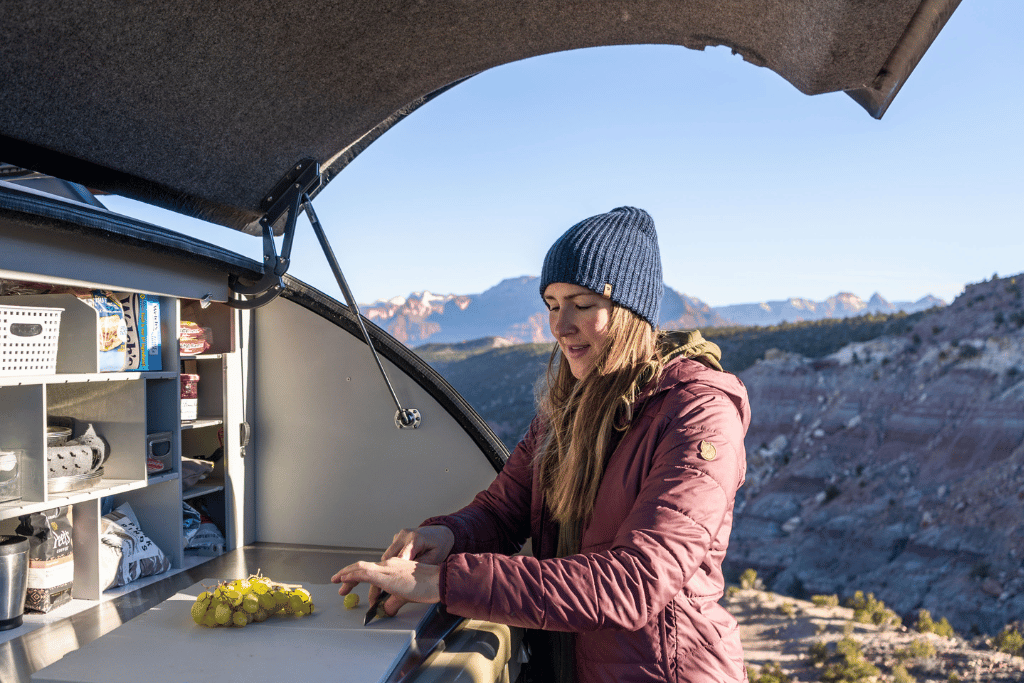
x,y
614,254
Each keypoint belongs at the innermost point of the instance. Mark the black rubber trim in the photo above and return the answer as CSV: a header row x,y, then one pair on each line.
x,y
39,210
412,365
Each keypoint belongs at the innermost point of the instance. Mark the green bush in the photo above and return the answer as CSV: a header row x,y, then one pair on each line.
x,y
731,591
1009,641
818,653
901,675
868,610
788,609
919,649
925,624
770,673
825,600
848,665
748,579
953,678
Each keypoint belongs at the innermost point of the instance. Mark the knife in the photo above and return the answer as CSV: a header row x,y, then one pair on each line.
x,y
377,608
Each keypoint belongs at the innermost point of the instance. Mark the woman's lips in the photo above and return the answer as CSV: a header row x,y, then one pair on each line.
x,y
575,350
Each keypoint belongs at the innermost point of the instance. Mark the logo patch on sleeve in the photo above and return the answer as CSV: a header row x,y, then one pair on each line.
x,y
707,450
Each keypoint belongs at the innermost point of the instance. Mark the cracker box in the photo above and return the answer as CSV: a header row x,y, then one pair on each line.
x,y
142,319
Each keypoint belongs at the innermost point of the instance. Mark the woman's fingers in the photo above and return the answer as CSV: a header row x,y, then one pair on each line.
x,y
406,580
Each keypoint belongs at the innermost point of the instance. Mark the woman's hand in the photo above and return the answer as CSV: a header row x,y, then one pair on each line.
x,y
408,568
405,580
430,544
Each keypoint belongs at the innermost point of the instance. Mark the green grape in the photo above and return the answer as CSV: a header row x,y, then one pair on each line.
x,y
260,588
205,595
295,603
351,600
241,618
210,620
261,615
223,613
199,611
281,597
250,603
267,602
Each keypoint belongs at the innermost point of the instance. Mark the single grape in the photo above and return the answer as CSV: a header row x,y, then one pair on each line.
x,y
241,618
210,620
199,611
261,615
267,602
250,603
223,613
351,600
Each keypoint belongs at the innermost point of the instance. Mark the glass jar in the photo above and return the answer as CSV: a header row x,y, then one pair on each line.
x,y
10,480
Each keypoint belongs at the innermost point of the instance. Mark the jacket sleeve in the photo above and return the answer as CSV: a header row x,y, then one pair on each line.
x,y
675,519
498,518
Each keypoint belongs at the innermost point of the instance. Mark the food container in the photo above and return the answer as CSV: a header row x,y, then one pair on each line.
x,y
158,452
10,479
189,396
28,340
13,580
57,436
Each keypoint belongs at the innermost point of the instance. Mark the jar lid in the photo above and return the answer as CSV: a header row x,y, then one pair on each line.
x,y
12,545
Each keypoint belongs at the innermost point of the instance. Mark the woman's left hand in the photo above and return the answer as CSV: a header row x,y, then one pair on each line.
x,y
405,580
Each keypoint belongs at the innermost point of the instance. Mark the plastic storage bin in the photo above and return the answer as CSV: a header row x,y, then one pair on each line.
x,y
28,340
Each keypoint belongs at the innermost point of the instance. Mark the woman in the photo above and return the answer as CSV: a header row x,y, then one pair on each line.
x,y
625,483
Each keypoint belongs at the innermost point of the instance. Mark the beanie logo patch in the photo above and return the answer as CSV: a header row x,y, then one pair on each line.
x,y
607,291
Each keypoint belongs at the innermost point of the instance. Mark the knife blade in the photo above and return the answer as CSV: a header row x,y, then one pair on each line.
x,y
377,608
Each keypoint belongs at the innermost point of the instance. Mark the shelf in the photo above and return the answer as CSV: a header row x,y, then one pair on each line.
x,y
200,490
202,422
82,378
159,477
106,487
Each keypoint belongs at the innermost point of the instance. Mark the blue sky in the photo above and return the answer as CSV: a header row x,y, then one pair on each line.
x,y
758,191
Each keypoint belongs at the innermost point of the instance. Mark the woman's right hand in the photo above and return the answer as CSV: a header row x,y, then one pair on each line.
x,y
427,544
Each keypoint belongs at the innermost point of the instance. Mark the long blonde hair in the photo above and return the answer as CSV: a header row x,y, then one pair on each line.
x,y
583,416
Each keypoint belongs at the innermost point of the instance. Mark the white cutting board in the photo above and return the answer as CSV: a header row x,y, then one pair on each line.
x,y
164,645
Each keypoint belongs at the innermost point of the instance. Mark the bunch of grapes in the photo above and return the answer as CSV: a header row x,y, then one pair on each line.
x,y
243,601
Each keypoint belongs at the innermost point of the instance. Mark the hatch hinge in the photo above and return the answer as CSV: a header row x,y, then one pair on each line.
x,y
284,201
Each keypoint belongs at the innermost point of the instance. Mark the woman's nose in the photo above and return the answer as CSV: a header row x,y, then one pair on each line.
x,y
562,323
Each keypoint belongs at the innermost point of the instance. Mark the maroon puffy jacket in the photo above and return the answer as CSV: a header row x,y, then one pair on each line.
x,y
642,595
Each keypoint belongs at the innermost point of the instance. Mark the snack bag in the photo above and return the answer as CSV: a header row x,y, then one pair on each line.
x,y
51,563
113,333
193,339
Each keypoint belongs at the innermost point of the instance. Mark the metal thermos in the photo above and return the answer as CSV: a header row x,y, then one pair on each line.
x,y
13,580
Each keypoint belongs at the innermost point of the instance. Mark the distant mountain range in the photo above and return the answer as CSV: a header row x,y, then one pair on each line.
x,y
513,310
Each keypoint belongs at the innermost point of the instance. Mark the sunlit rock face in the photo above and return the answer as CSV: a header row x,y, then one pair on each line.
x,y
896,466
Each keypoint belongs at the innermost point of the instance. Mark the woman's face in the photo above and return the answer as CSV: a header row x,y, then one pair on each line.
x,y
579,322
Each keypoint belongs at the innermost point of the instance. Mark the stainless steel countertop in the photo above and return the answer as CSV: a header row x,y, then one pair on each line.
x,y
22,656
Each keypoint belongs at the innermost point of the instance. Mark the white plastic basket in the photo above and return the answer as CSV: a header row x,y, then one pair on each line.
x,y
28,340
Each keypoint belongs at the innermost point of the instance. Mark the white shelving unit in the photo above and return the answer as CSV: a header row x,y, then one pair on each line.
x,y
123,407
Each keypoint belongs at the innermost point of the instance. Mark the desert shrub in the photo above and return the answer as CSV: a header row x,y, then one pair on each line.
x,y
901,675
925,624
748,579
868,610
769,673
921,648
818,653
731,591
848,665
953,678
788,609
1009,641
825,600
